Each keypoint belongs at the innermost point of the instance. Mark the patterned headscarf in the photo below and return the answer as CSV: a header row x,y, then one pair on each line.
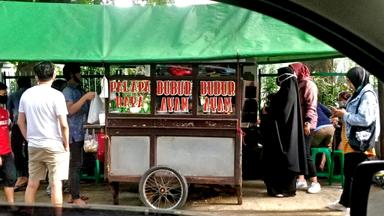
x,y
301,70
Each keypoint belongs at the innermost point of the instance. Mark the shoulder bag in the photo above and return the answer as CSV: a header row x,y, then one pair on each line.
x,y
362,138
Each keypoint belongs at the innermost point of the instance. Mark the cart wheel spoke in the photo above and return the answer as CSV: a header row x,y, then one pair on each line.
x,y
175,187
157,202
152,182
174,197
169,180
163,188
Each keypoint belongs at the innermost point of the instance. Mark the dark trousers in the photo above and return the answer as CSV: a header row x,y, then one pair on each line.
x,y
310,163
20,150
8,170
75,165
351,160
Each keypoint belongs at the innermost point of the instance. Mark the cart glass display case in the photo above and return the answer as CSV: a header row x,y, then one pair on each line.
x,y
184,117
130,91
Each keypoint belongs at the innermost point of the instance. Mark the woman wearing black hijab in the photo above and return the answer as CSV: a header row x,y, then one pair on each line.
x,y
283,137
362,110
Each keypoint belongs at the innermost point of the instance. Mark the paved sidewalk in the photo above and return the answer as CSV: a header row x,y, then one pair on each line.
x,y
256,202
216,200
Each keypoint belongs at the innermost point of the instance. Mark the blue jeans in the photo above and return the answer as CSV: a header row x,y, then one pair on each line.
x,y
75,165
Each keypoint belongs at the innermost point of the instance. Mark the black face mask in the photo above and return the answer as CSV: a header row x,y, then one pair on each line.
x,y
3,99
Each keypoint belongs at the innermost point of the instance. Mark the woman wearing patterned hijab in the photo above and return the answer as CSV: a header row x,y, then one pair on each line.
x,y
283,137
362,110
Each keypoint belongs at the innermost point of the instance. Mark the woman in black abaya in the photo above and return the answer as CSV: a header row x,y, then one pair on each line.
x,y
283,137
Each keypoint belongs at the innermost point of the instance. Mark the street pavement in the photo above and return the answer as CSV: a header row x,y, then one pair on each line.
x,y
213,199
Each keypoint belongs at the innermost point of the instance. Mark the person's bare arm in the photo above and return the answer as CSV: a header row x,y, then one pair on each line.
x,y
22,123
64,131
75,107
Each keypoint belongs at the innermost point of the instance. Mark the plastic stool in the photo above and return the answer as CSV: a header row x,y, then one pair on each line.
x,y
340,177
327,152
96,176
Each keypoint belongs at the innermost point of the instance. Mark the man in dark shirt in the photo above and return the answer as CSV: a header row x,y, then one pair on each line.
x,y
77,104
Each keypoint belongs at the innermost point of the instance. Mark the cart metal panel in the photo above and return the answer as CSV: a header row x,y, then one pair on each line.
x,y
197,156
130,155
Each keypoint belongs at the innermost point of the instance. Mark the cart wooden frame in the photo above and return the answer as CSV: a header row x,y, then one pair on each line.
x,y
204,148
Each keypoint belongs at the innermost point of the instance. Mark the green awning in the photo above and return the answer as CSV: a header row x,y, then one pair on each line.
x,y
96,33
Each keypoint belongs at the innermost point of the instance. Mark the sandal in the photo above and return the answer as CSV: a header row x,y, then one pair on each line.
x,y
82,197
21,187
79,202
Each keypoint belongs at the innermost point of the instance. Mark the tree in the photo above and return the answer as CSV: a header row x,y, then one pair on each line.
x,y
63,1
160,2
329,86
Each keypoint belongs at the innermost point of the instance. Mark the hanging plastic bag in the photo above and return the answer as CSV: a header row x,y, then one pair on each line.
x,y
95,108
104,87
90,142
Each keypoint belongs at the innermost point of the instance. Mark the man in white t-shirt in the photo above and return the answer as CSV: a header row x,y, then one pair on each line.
x,y
43,123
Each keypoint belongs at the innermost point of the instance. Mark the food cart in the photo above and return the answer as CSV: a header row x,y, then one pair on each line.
x,y
181,117
169,125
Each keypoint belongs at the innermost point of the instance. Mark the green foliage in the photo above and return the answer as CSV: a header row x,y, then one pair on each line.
x,y
160,2
329,88
91,78
269,87
268,81
62,1
12,86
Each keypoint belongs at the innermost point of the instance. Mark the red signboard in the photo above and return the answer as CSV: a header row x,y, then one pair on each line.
x,y
175,95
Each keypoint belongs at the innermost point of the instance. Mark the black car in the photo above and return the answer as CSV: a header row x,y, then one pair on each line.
x,y
354,29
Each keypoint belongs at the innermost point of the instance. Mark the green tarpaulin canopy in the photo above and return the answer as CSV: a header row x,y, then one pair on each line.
x,y
96,33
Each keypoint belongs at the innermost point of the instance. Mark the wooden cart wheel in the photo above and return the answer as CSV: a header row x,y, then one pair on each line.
x,y
163,188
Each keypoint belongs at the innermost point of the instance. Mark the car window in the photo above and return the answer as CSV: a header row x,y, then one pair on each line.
x,y
376,195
